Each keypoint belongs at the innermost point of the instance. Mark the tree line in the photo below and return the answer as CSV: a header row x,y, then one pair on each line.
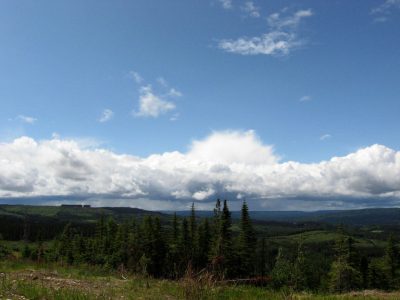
x,y
212,245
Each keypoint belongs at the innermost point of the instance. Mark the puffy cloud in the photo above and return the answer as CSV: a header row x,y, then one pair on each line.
x,y
232,147
152,105
231,164
280,39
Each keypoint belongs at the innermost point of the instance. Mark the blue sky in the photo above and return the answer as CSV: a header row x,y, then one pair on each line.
x,y
315,79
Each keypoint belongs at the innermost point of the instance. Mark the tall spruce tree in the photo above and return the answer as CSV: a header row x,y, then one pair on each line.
x,y
390,261
299,268
246,244
204,243
343,275
193,237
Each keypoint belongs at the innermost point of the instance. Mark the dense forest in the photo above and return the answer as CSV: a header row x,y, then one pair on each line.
x,y
151,247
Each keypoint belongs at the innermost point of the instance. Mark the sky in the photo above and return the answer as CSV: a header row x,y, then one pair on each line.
x,y
291,105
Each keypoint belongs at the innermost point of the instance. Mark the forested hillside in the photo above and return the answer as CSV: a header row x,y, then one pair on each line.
x,y
299,255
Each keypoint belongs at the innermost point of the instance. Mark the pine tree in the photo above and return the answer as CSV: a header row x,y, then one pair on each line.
x,y
282,271
247,243
204,243
343,275
364,271
390,260
183,245
222,255
299,268
175,229
193,237
262,258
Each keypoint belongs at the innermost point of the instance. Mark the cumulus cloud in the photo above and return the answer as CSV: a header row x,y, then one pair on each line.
x,y
152,105
235,164
281,38
106,115
27,119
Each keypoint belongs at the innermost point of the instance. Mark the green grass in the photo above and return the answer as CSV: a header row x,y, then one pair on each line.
x,y
19,280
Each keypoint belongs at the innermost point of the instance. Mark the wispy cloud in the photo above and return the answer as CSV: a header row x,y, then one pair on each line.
x,y
106,115
26,119
325,137
280,40
162,81
175,117
226,4
382,12
252,10
305,98
136,77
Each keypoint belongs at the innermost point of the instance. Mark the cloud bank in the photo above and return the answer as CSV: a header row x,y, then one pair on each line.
x,y
232,164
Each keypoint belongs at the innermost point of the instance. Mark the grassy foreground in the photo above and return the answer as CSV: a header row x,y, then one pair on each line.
x,y
22,281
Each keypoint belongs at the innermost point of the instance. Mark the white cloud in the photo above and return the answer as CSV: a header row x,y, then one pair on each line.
x,y
382,12
251,9
277,21
230,163
230,147
272,43
152,105
136,77
280,40
155,103
305,98
226,4
27,119
325,137
174,93
106,115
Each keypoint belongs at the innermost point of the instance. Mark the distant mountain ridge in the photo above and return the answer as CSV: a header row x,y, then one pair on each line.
x,y
356,217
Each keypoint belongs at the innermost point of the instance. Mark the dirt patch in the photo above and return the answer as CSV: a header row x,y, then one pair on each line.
x,y
55,281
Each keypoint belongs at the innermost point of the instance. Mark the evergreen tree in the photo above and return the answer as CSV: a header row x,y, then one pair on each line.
x,y
247,243
282,271
175,229
193,237
204,243
391,260
262,258
299,268
343,275
364,271
183,245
